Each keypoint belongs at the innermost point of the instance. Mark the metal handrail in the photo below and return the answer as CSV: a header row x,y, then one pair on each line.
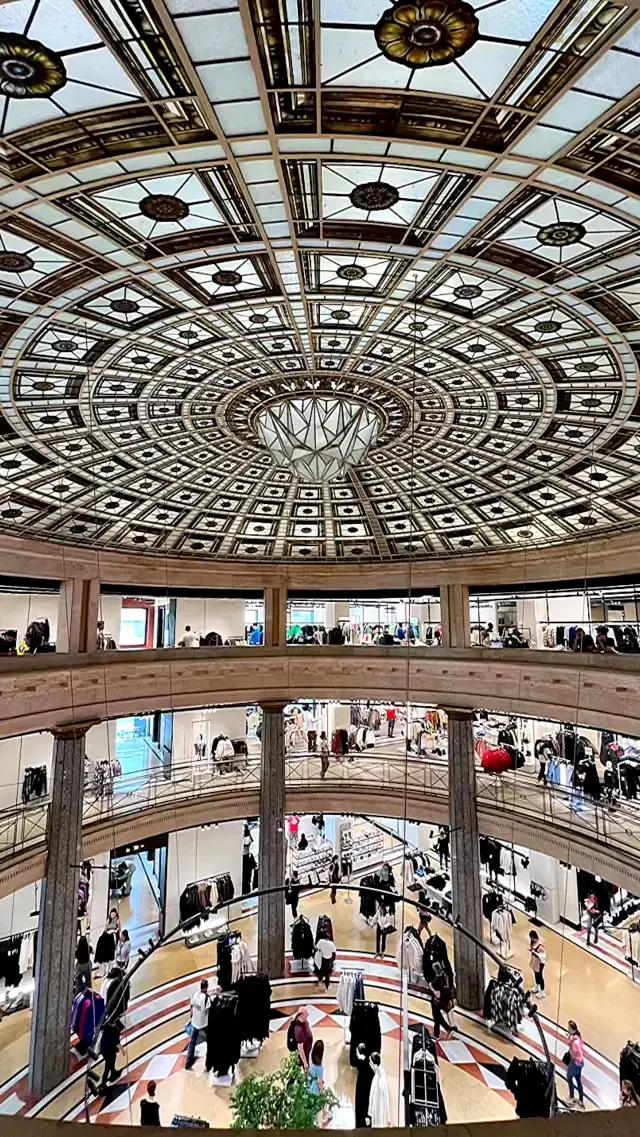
x,y
23,826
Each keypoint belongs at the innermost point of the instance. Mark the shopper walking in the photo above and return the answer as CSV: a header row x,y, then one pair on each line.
x,y
82,976
109,1046
334,877
324,960
391,721
303,1037
200,1002
537,959
292,888
594,917
441,1000
575,1054
384,924
149,1108
323,748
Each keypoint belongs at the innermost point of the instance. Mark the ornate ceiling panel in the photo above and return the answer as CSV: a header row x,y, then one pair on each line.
x,y
421,219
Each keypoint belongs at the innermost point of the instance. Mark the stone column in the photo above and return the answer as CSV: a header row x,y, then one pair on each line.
x,y
78,614
455,615
57,925
271,861
275,617
465,860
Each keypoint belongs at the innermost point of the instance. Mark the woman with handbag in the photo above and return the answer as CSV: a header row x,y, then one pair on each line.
x,y
575,1063
383,921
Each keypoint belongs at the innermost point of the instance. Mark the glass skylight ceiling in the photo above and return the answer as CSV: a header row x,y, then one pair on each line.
x,y
378,294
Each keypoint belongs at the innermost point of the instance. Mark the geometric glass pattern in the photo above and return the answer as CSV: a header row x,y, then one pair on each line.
x,y
319,438
416,224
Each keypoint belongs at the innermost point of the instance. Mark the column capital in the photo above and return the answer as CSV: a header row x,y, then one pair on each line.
x,y
277,705
462,714
72,730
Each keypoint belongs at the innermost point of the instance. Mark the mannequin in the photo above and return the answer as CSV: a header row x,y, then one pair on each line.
x,y
379,1108
363,1087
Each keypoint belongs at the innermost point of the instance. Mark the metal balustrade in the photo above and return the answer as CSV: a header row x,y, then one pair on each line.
x,y
516,796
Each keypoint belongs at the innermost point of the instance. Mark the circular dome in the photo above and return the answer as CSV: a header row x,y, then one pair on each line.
x,y
404,220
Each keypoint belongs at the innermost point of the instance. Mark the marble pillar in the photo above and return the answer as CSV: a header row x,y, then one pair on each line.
x,y
271,860
57,925
465,860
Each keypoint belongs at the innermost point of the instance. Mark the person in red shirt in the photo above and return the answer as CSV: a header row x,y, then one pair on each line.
x,y
391,721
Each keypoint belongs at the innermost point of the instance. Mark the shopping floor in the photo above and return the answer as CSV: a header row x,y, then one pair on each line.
x,y
580,985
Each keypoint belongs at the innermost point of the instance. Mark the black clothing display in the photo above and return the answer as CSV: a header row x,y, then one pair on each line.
x,y
363,1089
10,960
490,855
365,1029
105,948
369,900
254,1007
533,1085
117,995
302,944
34,783
630,1065
223,1034
249,867
435,960
324,928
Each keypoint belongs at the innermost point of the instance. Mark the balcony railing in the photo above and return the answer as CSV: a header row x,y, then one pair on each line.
x,y
397,780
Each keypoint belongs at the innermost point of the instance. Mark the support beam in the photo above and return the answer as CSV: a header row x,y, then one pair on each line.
x,y
275,617
465,860
455,615
57,935
78,614
271,862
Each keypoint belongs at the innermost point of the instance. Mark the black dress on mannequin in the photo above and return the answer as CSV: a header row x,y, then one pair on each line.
x,y
363,1089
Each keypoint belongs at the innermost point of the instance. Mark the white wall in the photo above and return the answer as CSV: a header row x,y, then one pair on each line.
x,y
18,609
208,721
98,895
109,610
195,854
101,740
223,616
15,755
15,910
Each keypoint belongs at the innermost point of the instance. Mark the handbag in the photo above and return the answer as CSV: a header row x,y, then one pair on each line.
x,y
566,1058
188,1028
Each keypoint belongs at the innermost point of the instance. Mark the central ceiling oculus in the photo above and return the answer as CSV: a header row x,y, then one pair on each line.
x,y
374,195
163,207
426,34
319,437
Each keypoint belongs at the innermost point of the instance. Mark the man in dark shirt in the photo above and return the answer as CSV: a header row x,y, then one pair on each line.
x,y
149,1108
303,1036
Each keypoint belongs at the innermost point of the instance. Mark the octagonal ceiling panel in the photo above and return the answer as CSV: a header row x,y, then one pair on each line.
x,y
426,209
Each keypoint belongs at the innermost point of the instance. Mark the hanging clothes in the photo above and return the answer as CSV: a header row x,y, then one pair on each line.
x,y
254,1007
241,961
324,928
363,1088
34,783
105,948
302,943
223,1035
435,953
224,946
365,1028
532,1084
409,952
350,988
10,960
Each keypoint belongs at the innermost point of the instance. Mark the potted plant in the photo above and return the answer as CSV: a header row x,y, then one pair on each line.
x,y
280,1100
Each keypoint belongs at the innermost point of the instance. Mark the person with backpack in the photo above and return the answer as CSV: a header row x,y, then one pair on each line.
x,y
299,1037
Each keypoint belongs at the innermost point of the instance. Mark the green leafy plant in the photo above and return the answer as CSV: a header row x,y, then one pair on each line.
x,y
280,1100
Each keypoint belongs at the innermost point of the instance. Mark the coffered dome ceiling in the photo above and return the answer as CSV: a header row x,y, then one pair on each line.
x,y
419,222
